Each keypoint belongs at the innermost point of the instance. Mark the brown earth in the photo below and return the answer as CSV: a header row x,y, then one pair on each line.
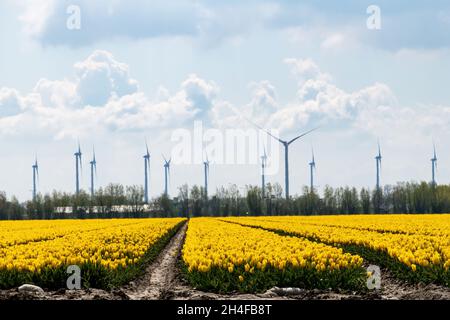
x,y
162,280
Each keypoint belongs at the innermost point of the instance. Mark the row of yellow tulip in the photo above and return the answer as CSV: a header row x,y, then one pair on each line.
x,y
224,256
21,232
106,245
411,246
423,224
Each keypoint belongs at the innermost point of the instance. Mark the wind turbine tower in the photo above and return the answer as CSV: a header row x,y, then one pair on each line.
x,y
206,169
78,169
146,172
312,167
166,176
35,177
433,166
286,145
263,173
93,164
378,163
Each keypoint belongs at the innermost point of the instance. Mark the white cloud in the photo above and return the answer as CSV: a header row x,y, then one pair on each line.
x,y
101,77
62,108
199,94
54,94
306,69
264,100
11,103
320,101
35,15
102,98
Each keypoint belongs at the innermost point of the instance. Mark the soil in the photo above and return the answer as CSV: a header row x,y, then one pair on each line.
x,y
162,280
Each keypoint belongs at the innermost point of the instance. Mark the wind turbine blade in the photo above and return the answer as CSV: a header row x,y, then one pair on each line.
x,y
146,147
79,148
237,112
302,135
266,131
275,137
165,160
379,149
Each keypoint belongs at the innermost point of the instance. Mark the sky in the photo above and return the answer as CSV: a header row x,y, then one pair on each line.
x,y
114,74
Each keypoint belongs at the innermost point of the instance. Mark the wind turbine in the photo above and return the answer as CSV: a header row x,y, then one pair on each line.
x,y
93,164
166,175
312,167
35,177
433,166
146,172
378,163
286,145
263,177
78,169
206,169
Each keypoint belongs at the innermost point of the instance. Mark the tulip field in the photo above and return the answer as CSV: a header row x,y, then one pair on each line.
x,y
224,257
109,252
413,247
230,254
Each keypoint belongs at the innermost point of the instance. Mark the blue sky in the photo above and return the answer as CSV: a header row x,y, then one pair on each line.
x,y
141,69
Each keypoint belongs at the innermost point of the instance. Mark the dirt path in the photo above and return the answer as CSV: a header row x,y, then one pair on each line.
x,y
159,276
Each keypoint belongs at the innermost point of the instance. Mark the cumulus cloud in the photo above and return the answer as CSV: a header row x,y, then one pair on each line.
x,y
102,98
114,103
58,93
10,102
306,69
264,100
372,110
320,101
101,77
199,94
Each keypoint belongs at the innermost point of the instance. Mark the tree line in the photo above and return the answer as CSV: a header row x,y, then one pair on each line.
x,y
118,201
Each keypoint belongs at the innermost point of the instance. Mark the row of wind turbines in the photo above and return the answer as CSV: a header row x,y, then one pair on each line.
x,y
206,164
93,173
